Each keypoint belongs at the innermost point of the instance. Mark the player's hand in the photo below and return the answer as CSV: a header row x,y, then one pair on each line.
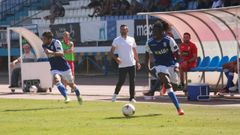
x,y
118,60
138,66
47,51
12,65
176,69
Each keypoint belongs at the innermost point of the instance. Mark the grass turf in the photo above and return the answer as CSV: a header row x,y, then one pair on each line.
x,y
52,117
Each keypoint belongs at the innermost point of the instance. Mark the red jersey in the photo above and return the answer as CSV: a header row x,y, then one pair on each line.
x,y
187,51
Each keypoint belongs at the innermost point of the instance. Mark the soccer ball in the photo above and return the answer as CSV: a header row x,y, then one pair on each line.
x,y
128,110
33,88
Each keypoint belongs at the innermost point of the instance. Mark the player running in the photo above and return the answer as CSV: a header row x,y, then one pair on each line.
x,y
59,66
163,49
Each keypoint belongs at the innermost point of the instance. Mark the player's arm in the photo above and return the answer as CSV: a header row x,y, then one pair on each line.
x,y
16,61
59,49
174,48
70,50
194,52
111,53
147,58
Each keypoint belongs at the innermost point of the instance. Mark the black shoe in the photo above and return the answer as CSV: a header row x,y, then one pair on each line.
x,y
148,94
12,86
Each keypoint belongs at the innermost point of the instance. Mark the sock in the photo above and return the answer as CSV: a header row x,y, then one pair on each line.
x,y
77,92
61,89
173,97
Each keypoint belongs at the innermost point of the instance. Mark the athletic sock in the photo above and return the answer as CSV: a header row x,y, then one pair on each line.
x,y
77,92
62,89
173,97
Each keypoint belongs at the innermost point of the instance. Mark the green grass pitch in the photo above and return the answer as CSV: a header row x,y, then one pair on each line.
x,y
53,117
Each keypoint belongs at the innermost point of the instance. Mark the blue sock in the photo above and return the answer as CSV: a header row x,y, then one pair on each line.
x,y
173,97
61,89
77,92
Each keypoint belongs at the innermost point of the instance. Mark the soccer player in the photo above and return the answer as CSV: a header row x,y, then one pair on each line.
x,y
126,60
229,69
68,48
163,49
188,56
59,66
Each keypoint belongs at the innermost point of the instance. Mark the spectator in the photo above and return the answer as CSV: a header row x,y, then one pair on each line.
x,y
191,4
217,4
124,7
188,56
106,7
56,10
234,2
27,56
115,4
204,4
136,7
229,69
96,5
178,5
164,5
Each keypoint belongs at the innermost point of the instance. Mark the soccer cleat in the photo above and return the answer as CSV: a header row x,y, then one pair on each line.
x,y
180,112
133,101
149,93
114,97
67,100
80,100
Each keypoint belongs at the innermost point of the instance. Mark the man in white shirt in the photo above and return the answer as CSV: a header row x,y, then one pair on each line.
x,y
127,60
27,56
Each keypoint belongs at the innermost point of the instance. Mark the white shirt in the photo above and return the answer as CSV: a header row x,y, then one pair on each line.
x,y
30,55
124,48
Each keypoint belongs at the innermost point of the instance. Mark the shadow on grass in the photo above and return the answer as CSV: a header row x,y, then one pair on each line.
x,y
137,116
36,109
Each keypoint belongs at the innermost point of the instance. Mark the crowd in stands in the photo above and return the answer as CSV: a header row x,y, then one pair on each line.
x,y
131,7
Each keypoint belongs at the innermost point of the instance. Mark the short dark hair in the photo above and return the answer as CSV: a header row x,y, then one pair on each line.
x,y
186,33
158,24
48,34
123,25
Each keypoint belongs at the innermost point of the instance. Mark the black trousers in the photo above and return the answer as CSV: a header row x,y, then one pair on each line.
x,y
15,76
131,71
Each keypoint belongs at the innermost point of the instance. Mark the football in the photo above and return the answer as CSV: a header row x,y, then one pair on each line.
x,y
128,110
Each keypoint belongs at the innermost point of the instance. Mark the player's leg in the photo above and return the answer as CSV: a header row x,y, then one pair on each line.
x,y
132,74
71,64
121,79
183,68
15,77
67,75
166,81
77,92
60,86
